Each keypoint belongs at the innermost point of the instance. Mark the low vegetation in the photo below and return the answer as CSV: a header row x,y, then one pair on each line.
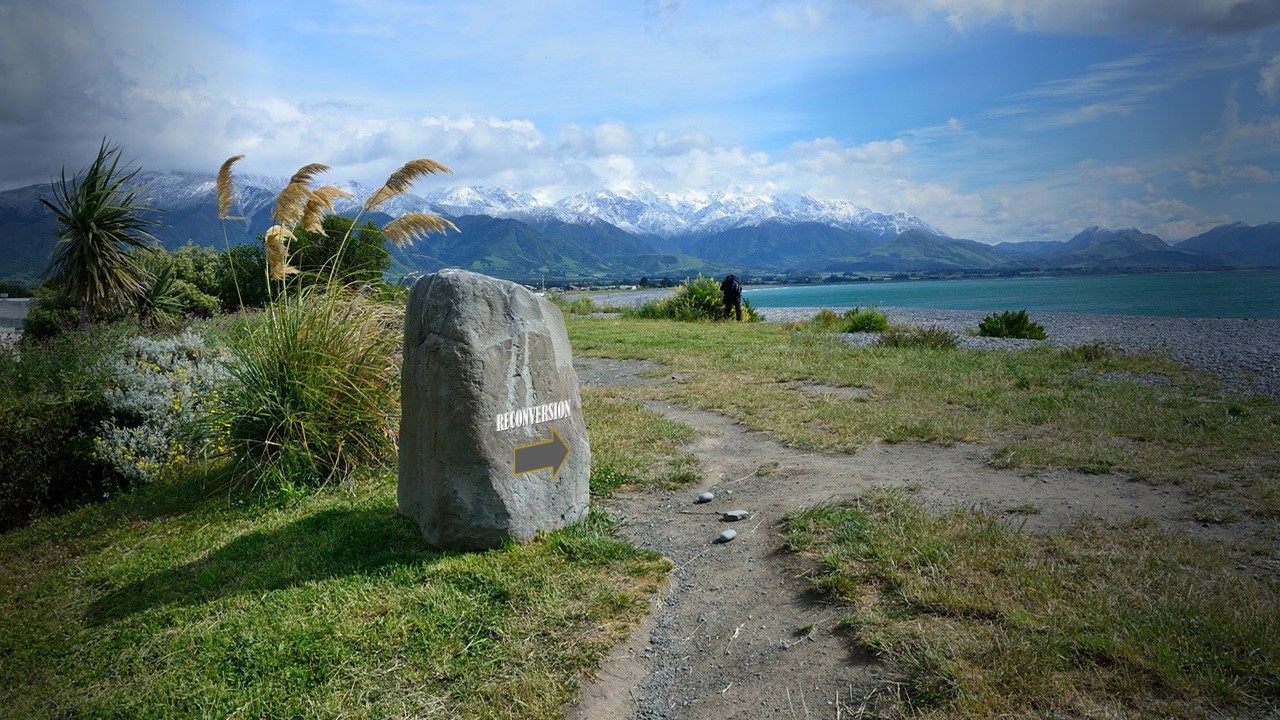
x,y
977,620
644,449
51,405
853,320
696,299
930,337
315,391
224,583
1010,324
1085,408
181,601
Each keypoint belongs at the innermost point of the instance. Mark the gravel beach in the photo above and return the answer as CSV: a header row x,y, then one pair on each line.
x,y
1245,353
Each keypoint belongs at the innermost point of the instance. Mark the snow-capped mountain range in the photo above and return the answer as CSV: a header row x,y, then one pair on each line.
x,y
641,210
640,232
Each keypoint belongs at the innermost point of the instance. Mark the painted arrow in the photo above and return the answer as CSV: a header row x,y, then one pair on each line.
x,y
549,454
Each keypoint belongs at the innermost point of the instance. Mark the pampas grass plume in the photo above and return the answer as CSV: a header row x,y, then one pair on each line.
x,y
226,193
407,228
307,172
291,204
321,201
277,252
401,180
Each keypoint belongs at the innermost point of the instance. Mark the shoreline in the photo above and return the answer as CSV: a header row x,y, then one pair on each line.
x,y
1245,353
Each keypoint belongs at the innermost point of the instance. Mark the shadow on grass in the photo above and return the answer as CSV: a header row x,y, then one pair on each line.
x,y
328,544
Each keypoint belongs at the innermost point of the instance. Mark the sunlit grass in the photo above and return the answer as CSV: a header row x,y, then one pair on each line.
x,y
977,620
1082,409
177,601
633,446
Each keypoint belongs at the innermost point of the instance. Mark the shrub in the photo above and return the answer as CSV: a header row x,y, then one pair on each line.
x,y
315,392
364,258
51,312
851,321
197,265
826,320
697,299
1009,324
51,403
159,394
932,337
168,297
15,289
869,320
242,277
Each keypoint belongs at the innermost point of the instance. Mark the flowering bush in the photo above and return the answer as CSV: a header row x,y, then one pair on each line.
x,y
160,392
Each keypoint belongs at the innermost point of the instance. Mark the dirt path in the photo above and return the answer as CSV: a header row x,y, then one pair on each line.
x,y
736,634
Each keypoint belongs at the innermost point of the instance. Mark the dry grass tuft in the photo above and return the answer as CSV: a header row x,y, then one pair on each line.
x,y
278,253
329,193
320,202
291,204
307,173
226,193
401,180
405,229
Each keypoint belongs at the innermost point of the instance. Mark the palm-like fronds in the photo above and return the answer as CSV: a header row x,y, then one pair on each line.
x,y
159,302
401,180
405,229
99,221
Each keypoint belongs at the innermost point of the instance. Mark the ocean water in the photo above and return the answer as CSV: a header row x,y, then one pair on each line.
x,y
1234,294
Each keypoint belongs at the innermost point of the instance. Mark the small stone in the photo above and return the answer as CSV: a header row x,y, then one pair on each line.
x,y
727,535
706,497
736,515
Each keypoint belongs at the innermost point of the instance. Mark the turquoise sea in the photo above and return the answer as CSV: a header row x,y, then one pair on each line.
x,y
1235,294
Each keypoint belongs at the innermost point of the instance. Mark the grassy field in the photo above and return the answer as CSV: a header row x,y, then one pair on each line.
x,y
181,601
972,618
1086,408
977,620
186,599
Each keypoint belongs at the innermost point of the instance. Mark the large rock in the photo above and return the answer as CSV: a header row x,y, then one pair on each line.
x,y
487,370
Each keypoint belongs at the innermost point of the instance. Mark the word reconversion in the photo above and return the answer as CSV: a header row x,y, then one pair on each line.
x,y
532,415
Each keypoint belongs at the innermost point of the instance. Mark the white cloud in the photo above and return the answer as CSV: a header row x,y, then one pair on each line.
x,y
827,155
669,143
613,138
1269,80
1121,174
1169,218
955,124
1231,175
1095,16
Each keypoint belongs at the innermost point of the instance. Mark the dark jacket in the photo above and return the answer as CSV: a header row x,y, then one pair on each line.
x,y
731,288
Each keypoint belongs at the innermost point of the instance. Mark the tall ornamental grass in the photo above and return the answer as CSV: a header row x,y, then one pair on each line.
x,y
315,385
316,389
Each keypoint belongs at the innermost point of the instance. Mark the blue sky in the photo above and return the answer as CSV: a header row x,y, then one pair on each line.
x,y
992,119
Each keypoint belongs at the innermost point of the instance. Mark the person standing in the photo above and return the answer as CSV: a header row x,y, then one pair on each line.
x,y
732,290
